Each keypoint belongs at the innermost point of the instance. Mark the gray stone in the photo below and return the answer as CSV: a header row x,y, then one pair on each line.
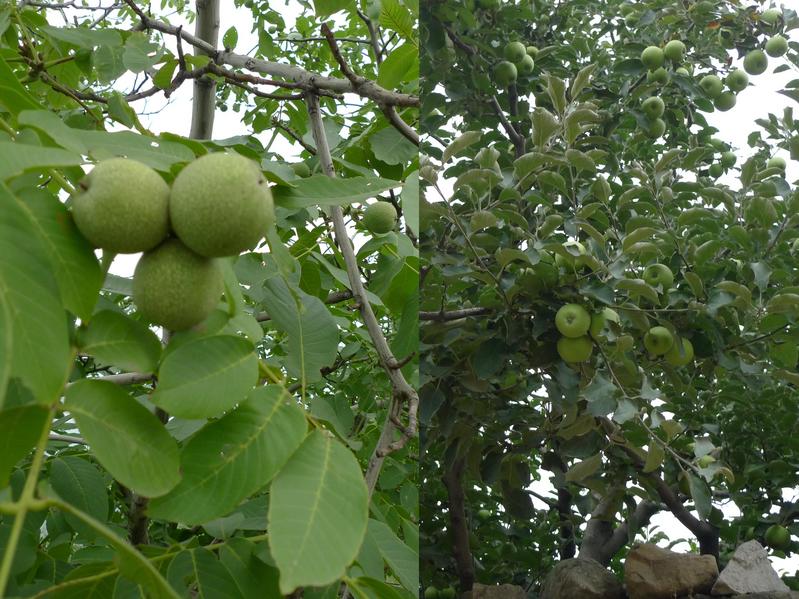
x,y
583,578
502,591
771,595
748,571
651,572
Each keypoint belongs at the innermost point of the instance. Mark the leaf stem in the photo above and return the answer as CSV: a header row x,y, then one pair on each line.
x,y
23,505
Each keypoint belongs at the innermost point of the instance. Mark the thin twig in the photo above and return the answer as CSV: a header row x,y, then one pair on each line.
x,y
401,391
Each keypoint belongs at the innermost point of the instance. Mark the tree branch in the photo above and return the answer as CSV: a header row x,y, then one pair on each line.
x,y
458,528
448,315
204,99
308,81
401,391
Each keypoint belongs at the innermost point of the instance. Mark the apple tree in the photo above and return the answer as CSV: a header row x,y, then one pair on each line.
x,y
238,419
609,287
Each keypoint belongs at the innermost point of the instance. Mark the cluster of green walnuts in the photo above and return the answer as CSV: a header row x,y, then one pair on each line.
x,y
579,328
722,93
219,205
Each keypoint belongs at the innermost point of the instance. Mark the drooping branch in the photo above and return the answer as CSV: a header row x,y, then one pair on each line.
x,y
312,82
402,391
204,98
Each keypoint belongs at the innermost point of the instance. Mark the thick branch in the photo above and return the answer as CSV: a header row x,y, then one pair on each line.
x,y
459,530
291,74
204,99
601,541
126,378
518,140
402,391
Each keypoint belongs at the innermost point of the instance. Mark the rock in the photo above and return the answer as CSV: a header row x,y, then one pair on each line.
x,y
654,573
748,571
770,595
502,591
583,578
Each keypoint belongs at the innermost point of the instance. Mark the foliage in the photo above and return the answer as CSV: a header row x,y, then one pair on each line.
x,y
228,460
568,154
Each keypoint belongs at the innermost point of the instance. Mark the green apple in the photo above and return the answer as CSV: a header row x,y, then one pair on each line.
x,y
653,107
483,514
674,50
776,162
712,85
652,57
777,537
771,16
572,320
756,62
682,71
631,20
728,159
681,353
658,340
575,350
505,73
715,170
684,484
776,46
737,80
718,144
659,76
432,592
725,101
526,65
659,274
447,593
515,52
656,128
532,51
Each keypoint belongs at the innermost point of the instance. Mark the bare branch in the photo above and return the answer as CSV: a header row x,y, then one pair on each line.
x,y
126,378
67,439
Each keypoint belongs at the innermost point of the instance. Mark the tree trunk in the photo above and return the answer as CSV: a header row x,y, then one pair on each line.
x,y
204,100
453,479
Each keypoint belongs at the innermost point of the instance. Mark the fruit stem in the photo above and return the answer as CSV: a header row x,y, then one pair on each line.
x,y
25,501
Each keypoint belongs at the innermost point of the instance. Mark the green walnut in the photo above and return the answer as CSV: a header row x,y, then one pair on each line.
x,y
712,85
652,57
221,205
659,76
380,217
725,101
653,107
122,206
176,288
755,62
737,80
505,73
656,128
515,52
771,16
776,46
674,51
